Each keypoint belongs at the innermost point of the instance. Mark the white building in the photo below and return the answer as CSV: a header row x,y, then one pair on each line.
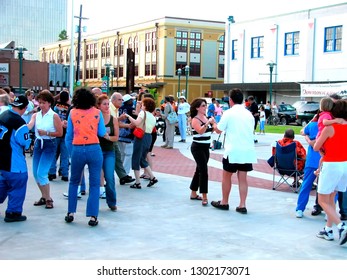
x,y
307,46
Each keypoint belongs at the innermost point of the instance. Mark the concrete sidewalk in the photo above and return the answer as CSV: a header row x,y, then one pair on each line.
x,y
162,223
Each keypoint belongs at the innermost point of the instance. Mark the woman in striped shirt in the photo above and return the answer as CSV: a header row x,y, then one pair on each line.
x,y
200,148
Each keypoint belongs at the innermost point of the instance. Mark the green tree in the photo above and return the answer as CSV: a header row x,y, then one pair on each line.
x,y
63,35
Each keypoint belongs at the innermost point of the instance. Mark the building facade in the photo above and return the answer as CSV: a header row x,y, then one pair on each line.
x,y
153,54
304,47
32,23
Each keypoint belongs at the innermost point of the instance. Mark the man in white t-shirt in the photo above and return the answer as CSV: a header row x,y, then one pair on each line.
x,y
239,155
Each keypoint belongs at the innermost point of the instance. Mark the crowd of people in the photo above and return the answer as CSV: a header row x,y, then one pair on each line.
x,y
117,135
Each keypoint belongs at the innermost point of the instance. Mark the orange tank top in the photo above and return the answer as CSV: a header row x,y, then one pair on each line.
x,y
85,124
334,146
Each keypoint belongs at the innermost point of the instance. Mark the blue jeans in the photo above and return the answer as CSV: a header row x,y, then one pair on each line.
x,y
108,168
64,158
342,199
14,186
44,154
182,125
90,155
305,188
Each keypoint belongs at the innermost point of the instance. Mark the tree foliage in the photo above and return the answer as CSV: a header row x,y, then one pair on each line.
x,y
63,35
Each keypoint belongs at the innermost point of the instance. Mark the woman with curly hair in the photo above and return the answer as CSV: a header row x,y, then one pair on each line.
x,y
141,148
85,124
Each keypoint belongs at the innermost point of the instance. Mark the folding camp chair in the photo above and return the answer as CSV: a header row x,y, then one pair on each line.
x,y
285,164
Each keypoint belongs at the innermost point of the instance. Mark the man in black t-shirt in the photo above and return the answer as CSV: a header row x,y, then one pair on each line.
x,y
254,110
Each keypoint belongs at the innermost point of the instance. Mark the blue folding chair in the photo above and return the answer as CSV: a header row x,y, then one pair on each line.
x,y
285,164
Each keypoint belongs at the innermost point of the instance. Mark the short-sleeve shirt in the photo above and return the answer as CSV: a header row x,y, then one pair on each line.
x,y
238,125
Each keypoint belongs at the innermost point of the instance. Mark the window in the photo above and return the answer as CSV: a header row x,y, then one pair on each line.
x,y
87,52
136,45
333,39
92,51
148,42
103,51
257,47
154,69
107,49
115,50
291,43
194,69
130,43
234,50
221,44
154,42
147,70
121,51
181,41
67,55
95,50
121,71
195,42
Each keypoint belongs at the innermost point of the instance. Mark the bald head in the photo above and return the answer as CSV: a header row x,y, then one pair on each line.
x,y
117,99
96,91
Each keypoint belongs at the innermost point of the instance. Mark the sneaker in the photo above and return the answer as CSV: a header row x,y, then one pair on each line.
x,y
299,214
343,234
343,217
327,235
316,211
14,217
103,195
65,194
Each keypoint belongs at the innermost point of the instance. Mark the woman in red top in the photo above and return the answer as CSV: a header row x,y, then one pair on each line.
x,y
333,175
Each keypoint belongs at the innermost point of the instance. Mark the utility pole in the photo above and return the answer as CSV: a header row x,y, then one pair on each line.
x,y
79,44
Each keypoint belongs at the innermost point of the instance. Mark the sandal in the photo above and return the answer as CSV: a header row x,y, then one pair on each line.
x,y
69,217
136,186
204,202
198,197
42,201
49,204
93,221
152,182
145,176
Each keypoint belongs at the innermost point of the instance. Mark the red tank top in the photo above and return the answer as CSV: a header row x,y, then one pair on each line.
x,y
334,146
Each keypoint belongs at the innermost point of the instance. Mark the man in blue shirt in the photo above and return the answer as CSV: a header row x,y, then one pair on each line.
x,y
211,108
14,139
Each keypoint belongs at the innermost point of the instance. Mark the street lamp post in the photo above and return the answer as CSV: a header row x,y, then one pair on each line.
x,y
108,77
271,67
179,73
112,76
186,71
20,50
66,68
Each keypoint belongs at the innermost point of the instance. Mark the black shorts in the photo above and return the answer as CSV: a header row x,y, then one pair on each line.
x,y
234,167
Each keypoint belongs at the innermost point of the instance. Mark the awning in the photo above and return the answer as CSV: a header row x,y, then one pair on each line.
x,y
246,87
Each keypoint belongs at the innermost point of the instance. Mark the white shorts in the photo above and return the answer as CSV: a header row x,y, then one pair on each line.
x,y
332,177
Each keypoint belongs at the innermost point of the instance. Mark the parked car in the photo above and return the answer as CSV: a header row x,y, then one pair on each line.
x,y
306,112
286,114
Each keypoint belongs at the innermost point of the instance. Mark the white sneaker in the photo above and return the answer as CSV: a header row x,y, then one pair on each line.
x,y
327,235
299,214
67,195
102,193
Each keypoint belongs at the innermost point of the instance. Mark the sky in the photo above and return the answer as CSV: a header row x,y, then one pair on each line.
x,y
111,14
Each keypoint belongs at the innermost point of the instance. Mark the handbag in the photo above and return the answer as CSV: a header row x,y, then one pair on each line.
x,y
140,132
172,116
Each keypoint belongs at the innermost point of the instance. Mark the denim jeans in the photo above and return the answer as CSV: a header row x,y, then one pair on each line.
x,y
44,154
63,153
14,186
82,155
140,151
108,168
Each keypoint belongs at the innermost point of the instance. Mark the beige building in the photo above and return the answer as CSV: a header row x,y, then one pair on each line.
x,y
152,52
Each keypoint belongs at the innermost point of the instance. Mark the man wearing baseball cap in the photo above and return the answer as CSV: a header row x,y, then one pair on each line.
x,y
14,139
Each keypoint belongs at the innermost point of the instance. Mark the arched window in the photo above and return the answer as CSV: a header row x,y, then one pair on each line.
x,y
136,45
67,55
121,43
103,50
107,49
130,43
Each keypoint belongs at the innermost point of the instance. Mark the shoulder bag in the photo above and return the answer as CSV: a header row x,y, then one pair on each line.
x,y
139,132
172,117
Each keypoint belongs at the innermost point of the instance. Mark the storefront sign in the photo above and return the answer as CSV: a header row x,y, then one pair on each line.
x,y
322,90
4,68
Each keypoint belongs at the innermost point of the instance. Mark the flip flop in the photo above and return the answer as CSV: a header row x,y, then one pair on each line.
x,y
196,198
